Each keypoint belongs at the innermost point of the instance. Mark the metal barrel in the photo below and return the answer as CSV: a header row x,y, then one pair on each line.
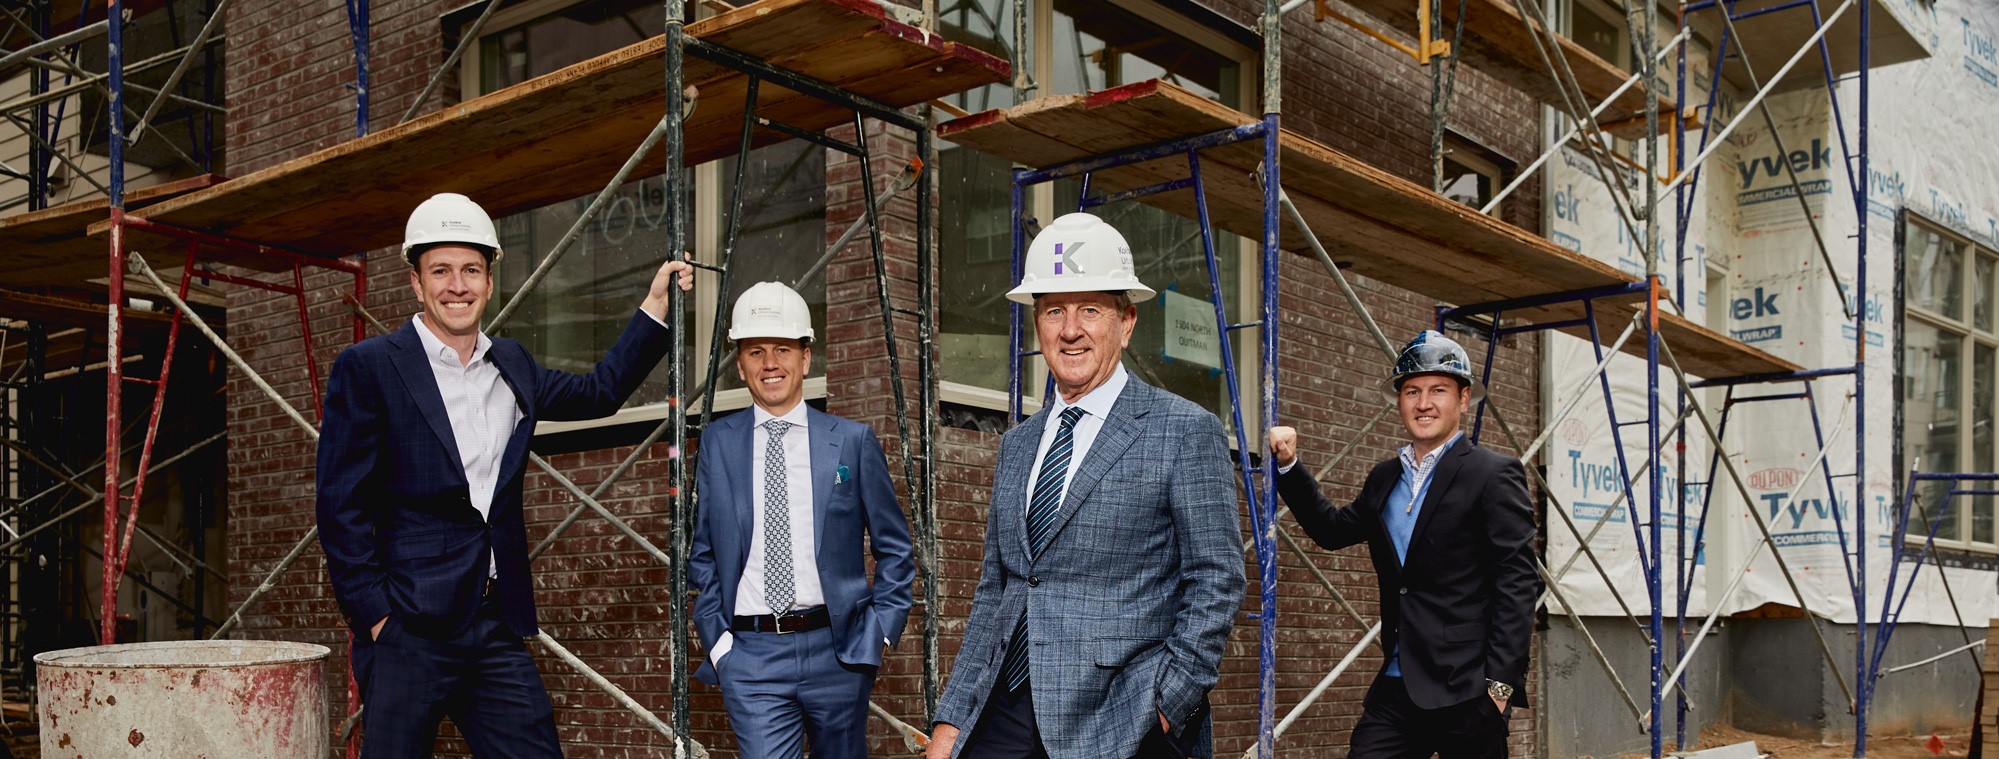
x,y
219,698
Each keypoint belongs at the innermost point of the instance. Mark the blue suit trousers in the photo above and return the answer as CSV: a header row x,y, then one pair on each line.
x,y
781,689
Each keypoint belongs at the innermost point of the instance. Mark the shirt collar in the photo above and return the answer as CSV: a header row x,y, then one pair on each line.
x,y
1408,453
796,416
1097,402
437,350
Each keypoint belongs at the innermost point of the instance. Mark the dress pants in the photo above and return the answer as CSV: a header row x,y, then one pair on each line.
x,y
1393,727
1006,730
483,679
782,689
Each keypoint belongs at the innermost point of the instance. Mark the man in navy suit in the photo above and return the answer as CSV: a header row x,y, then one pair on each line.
x,y
1451,531
793,629
421,453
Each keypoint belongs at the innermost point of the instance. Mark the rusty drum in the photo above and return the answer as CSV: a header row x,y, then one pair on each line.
x,y
185,700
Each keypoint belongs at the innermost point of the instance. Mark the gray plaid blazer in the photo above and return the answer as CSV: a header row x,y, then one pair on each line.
x,y
1130,604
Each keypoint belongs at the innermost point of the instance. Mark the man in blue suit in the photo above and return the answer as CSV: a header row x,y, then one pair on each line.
x,y
1113,561
793,629
421,454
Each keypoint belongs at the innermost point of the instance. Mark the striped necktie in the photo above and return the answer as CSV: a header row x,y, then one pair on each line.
x,y
1042,509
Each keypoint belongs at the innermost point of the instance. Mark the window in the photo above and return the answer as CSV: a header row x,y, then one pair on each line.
x,y
1950,361
1084,45
575,314
1598,26
1470,177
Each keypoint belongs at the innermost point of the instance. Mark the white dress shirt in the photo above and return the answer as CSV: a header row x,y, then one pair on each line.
x,y
807,593
1096,406
482,409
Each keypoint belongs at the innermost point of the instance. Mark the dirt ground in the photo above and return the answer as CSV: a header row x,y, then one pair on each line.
x,y
1878,747
24,745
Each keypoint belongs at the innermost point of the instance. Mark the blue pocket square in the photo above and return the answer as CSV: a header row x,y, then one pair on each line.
x,y
840,475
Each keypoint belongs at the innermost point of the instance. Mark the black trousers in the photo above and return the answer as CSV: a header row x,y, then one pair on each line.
x,y
483,679
1006,730
1393,727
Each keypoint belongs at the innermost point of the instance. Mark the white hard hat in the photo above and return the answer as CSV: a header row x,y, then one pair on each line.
x,y
449,217
1433,353
1079,253
769,309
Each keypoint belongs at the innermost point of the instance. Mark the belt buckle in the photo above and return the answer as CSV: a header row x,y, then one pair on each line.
x,y
778,626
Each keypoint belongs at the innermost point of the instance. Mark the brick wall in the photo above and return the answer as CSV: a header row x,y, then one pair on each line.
x,y
606,599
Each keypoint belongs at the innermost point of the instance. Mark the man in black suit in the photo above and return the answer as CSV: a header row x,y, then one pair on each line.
x,y
1451,532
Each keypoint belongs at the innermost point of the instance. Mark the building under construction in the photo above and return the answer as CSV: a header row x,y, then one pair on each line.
x,y
1728,268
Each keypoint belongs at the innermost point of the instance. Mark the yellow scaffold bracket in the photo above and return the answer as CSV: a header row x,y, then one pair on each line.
x,y
1425,49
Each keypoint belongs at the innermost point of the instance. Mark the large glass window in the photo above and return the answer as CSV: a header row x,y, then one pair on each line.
x,y
1950,374
582,305
1089,45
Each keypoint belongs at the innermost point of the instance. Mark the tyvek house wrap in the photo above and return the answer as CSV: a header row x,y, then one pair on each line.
x,y
1930,153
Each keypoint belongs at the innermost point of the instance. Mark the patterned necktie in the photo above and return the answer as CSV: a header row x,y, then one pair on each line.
x,y
1042,508
778,590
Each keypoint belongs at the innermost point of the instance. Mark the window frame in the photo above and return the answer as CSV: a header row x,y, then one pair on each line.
x,y
1970,337
1246,343
708,206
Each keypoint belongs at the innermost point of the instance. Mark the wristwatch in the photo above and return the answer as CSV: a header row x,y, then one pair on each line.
x,y
1499,691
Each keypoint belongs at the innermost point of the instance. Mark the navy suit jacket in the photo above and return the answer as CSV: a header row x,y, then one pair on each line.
x,y
1461,605
851,494
395,511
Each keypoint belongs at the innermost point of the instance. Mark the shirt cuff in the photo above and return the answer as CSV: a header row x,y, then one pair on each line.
x,y
657,321
722,646
1286,469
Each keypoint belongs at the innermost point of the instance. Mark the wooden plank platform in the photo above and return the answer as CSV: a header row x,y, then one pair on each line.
x,y
49,246
565,134
1387,228
1497,42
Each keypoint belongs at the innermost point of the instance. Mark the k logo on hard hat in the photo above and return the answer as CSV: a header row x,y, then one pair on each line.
x,y
1079,253
449,217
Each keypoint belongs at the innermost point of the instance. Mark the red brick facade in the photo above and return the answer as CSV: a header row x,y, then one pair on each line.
x,y
606,599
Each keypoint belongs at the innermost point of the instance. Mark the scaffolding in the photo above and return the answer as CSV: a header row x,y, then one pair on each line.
x,y
800,68
1128,143
1150,142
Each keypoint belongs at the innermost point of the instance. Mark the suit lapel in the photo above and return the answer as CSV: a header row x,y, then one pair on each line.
x,y
1440,483
1010,486
517,370
418,380
1113,439
736,443
824,448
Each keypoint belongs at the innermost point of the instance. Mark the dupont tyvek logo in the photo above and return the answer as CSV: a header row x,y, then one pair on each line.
x,y
1814,158
1064,258
1981,55
1759,304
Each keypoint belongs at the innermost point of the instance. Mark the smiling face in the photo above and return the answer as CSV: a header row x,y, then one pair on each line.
x,y
774,368
1082,336
1431,406
453,282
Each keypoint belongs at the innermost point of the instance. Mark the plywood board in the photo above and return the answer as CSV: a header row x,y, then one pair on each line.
x,y
49,246
1382,226
1498,41
563,135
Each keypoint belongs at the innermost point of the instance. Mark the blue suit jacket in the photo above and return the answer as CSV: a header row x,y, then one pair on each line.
x,y
1131,602
851,494
395,512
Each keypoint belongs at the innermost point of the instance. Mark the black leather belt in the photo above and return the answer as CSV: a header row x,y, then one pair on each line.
x,y
797,621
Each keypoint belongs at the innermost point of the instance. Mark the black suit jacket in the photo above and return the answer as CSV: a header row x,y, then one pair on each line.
x,y
1462,606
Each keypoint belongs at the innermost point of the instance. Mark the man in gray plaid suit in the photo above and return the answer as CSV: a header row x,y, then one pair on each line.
x,y
1113,563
